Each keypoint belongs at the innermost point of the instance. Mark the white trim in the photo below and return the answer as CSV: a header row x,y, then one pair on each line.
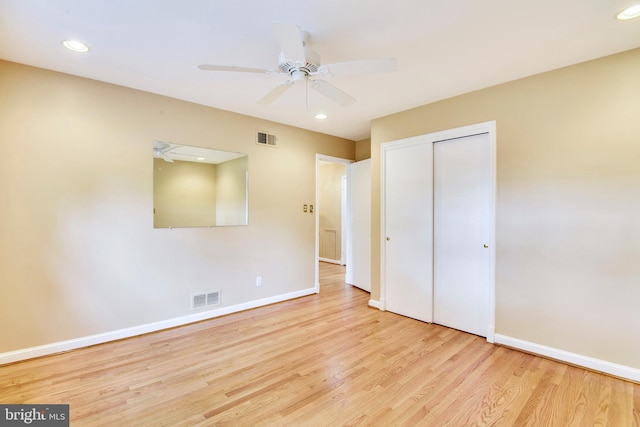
x,y
345,225
460,132
617,370
383,230
491,334
375,304
493,157
316,220
61,346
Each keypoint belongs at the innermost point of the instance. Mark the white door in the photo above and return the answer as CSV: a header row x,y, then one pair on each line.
x,y
462,215
359,266
408,213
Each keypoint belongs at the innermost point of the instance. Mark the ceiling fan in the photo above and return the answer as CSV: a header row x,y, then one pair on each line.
x,y
161,150
301,63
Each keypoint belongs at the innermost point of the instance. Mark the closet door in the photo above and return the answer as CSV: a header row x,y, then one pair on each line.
x,y
408,235
462,215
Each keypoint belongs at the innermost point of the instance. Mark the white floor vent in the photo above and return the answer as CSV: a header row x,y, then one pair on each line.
x,y
266,139
205,299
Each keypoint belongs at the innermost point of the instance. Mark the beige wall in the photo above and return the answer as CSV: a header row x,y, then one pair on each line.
x,y
330,209
231,192
568,202
184,194
78,251
363,149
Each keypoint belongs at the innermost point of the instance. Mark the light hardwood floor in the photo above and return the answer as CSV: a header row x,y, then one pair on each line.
x,y
321,360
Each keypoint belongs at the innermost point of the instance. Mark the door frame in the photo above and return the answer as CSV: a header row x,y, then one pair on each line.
x,y
346,229
431,138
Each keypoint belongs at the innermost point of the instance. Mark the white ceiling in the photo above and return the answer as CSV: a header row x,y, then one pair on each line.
x,y
443,47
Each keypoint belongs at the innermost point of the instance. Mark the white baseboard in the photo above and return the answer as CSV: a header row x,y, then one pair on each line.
x,y
58,347
375,304
620,371
491,334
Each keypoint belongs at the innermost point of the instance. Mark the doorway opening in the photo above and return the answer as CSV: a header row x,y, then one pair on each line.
x,y
332,212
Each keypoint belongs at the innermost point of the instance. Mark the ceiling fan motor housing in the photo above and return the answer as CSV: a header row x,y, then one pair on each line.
x,y
299,70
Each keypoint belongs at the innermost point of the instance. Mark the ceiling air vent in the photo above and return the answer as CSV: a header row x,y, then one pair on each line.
x,y
266,139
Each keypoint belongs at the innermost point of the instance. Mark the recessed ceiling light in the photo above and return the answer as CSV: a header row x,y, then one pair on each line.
x,y
630,13
75,45
200,158
321,116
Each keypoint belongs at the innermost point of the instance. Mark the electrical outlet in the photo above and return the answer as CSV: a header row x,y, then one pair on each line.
x,y
304,208
259,281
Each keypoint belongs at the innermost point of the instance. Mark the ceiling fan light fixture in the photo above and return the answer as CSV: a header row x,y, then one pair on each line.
x,y
75,46
629,13
321,116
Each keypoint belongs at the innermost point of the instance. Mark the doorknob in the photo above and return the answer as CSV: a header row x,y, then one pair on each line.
x,y
486,246
388,238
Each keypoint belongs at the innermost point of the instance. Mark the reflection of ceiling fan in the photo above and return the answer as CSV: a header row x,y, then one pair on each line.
x,y
160,150
300,63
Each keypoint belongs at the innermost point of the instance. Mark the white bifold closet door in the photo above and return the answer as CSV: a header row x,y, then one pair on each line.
x,y
461,224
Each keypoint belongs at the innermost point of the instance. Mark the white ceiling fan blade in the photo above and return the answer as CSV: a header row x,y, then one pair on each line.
x,y
160,146
290,41
235,68
275,93
160,150
161,155
332,92
367,66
